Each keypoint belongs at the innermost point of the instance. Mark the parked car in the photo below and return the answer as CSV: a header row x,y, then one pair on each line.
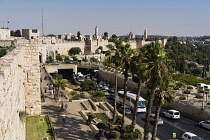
x,y
105,88
205,124
127,110
106,92
152,119
80,78
190,136
173,114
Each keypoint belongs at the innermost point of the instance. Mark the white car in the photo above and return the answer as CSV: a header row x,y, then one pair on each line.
x,y
105,87
152,119
190,136
173,114
205,124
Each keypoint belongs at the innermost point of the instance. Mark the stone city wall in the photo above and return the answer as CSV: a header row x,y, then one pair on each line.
x,y
5,43
32,77
183,108
19,89
12,98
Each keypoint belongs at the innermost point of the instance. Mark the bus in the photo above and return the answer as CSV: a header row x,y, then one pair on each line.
x,y
130,101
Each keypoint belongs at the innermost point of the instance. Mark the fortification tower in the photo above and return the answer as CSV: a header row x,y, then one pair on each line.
x,y
96,32
145,34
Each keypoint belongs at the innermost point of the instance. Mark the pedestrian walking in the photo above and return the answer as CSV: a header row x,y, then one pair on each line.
x,y
60,106
64,118
45,90
66,106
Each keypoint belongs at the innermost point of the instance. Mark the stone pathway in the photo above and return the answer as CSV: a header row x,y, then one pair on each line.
x,y
74,128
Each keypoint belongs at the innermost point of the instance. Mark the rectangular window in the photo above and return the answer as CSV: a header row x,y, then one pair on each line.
x,y
34,30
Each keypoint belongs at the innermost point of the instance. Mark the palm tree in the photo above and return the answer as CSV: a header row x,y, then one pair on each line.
x,y
136,68
113,58
155,64
58,84
125,55
163,96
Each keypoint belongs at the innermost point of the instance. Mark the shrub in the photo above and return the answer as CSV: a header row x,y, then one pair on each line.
x,y
73,92
114,134
179,85
176,88
208,103
189,87
59,57
118,120
137,134
198,96
88,85
182,98
104,125
91,115
186,92
76,97
97,94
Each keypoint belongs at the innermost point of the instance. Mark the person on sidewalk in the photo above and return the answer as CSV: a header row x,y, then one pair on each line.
x,y
66,106
64,118
60,106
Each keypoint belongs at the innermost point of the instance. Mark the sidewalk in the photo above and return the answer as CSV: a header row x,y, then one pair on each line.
x,y
75,127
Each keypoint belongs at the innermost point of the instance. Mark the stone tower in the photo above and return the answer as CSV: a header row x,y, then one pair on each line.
x,y
96,32
145,34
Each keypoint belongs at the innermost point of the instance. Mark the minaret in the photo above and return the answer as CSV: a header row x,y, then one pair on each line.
x,y
96,32
145,34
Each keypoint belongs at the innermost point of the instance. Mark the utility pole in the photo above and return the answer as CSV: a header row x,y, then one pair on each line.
x,y
42,23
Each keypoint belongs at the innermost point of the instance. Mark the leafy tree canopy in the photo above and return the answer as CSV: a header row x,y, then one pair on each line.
x,y
74,50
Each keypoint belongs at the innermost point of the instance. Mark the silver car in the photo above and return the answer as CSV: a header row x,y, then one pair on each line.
x,y
152,119
205,124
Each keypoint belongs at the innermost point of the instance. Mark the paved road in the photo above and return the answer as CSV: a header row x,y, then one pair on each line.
x,y
184,124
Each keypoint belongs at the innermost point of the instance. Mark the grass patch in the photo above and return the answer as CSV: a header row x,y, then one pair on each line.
x,y
71,86
189,79
102,116
36,130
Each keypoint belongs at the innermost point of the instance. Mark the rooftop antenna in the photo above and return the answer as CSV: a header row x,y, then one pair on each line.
x,y
42,24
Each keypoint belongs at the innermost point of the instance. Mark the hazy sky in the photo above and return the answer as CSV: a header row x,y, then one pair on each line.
x,y
159,17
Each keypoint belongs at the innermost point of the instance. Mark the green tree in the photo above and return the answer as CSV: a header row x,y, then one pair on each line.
x,y
137,68
125,55
3,51
112,57
57,76
15,33
50,59
156,68
74,58
88,85
58,84
66,59
74,50
79,35
84,59
93,59
163,96
59,57
106,34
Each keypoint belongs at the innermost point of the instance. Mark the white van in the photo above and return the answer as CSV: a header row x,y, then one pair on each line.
x,y
173,114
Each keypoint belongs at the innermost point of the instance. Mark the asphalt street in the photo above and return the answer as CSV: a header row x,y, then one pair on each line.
x,y
184,124
170,126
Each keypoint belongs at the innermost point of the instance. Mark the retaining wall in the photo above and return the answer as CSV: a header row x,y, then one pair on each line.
x,y
183,108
